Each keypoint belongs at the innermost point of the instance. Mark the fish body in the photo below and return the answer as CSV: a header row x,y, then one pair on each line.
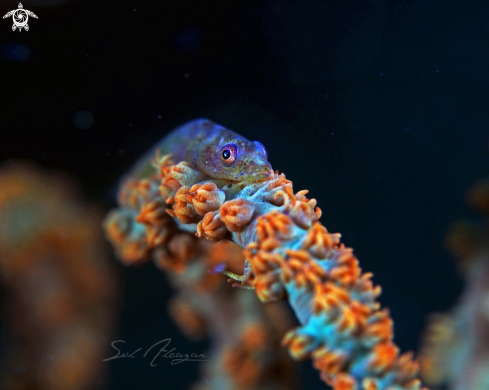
x,y
214,150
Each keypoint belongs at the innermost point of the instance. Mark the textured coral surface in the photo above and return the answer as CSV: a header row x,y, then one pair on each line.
x,y
456,344
59,290
245,335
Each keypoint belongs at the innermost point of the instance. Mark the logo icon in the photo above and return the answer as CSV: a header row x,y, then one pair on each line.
x,y
20,17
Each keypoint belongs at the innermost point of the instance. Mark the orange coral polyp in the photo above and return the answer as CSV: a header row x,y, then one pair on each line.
x,y
319,242
211,227
183,207
237,214
206,197
329,362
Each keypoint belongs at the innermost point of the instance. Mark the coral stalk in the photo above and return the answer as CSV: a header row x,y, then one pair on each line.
x,y
455,350
290,254
60,291
245,335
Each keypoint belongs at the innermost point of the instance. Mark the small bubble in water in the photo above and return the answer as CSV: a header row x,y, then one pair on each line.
x,y
83,119
188,39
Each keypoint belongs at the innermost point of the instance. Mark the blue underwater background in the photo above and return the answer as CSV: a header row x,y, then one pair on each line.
x,y
379,108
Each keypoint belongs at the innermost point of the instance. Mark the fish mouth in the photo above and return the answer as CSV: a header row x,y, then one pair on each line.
x,y
263,174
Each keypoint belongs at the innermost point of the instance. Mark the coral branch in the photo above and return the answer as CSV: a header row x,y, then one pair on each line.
x,y
60,291
456,344
343,330
245,334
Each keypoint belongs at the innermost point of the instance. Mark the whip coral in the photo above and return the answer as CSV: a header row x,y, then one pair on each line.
x,y
289,254
456,344
60,292
245,335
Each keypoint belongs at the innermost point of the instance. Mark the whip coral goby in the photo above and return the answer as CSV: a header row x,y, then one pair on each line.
x,y
289,253
214,151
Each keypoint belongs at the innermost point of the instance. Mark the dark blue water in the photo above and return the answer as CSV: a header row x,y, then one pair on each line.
x,y
379,108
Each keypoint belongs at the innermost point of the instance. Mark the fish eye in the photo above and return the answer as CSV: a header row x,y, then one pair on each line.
x,y
229,153
261,149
